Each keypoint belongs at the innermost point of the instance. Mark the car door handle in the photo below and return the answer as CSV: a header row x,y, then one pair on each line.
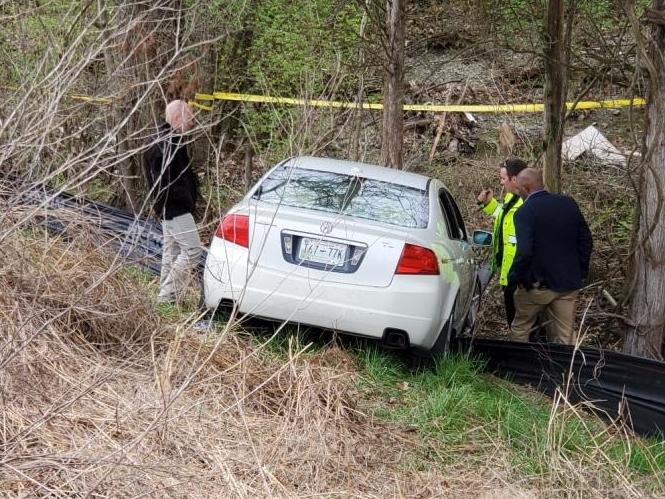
x,y
453,260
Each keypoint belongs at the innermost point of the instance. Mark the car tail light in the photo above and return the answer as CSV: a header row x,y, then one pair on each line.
x,y
417,260
235,229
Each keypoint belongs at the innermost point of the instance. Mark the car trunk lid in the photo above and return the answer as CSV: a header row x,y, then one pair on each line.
x,y
324,246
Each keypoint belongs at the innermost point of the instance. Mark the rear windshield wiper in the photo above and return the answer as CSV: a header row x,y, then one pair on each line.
x,y
354,188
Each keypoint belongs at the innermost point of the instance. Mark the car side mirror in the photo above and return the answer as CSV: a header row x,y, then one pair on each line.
x,y
482,238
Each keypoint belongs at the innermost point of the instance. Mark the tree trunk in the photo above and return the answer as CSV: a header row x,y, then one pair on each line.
x,y
555,92
647,333
235,76
354,147
393,88
127,168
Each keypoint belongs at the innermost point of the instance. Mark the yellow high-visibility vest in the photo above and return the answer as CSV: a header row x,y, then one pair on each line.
x,y
509,239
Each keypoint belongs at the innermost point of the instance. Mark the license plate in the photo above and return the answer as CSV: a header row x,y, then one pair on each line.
x,y
325,252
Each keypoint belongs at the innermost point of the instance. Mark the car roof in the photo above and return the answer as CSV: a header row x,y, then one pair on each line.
x,y
365,170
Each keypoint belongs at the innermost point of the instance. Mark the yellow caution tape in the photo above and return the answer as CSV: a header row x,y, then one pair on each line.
x,y
609,104
84,98
435,108
92,100
294,102
199,106
429,108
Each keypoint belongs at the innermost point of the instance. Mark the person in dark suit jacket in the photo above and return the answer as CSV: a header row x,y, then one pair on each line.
x,y
553,252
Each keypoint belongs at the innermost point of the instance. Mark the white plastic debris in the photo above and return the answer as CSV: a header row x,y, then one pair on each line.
x,y
593,141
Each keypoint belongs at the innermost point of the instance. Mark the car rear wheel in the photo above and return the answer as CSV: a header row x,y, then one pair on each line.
x,y
446,336
471,321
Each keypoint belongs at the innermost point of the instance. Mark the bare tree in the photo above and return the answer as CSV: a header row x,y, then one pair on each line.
x,y
126,167
647,332
557,35
355,145
393,87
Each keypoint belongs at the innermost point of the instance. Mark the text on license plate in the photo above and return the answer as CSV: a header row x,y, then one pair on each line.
x,y
325,252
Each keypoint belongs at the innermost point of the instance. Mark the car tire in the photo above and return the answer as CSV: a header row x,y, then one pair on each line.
x,y
471,320
446,336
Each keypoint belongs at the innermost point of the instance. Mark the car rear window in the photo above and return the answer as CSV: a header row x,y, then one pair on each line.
x,y
360,197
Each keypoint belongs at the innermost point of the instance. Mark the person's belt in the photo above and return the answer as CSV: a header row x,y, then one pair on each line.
x,y
535,285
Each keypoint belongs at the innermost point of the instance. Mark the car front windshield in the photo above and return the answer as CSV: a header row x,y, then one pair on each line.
x,y
350,195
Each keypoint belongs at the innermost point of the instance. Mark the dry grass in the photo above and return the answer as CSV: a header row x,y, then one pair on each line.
x,y
104,396
101,396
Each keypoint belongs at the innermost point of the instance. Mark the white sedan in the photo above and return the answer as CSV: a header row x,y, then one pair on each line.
x,y
352,247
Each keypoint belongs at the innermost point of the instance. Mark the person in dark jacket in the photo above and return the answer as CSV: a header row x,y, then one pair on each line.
x,y
173,190
553,252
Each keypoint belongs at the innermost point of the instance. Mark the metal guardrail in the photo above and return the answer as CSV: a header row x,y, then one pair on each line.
x,y
618,387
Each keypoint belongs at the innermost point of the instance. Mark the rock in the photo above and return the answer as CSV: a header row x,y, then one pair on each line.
x,y
453,145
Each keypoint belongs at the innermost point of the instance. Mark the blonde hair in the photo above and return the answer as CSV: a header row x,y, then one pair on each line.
x,y
180,116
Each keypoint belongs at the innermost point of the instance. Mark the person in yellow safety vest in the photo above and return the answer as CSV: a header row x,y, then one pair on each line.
x,y
504,242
